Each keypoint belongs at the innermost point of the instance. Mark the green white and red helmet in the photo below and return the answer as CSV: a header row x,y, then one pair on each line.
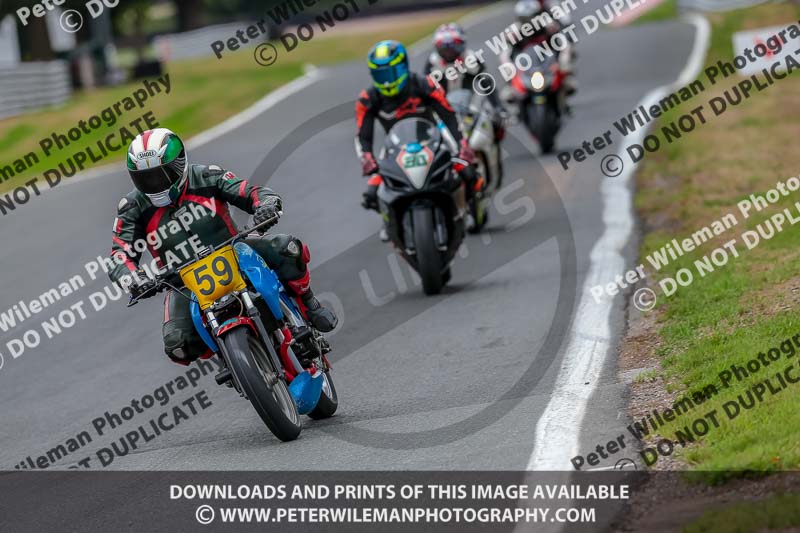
x,y
158,165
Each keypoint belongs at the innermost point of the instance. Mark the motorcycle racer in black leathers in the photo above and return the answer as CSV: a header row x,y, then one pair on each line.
x,y
398,93
154,217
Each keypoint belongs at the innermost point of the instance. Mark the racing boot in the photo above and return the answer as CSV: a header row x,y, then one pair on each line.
x,y
475,187
369,200
320,317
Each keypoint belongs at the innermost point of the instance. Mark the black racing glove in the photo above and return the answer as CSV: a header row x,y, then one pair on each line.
x,y
142,286
269,209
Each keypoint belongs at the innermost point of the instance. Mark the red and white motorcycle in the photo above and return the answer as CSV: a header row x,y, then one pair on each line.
x,y
540,93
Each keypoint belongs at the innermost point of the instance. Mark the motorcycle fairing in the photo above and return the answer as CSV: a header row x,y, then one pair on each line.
x,y
415,161
264,280
197,319
305,389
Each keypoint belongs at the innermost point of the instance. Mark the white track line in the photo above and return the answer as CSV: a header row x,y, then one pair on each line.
x,y
272,99
558,430
269,101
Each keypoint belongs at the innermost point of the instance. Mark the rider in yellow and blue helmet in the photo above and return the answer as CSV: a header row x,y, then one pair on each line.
x,y
388,64
398,94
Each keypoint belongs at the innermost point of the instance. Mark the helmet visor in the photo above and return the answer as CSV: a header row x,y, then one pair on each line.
x,y
450,51
155,180
390,79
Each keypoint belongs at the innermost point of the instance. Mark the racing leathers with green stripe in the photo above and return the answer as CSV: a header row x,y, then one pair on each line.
x,y
201,217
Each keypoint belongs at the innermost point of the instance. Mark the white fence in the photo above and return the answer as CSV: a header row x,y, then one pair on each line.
x,y
32,85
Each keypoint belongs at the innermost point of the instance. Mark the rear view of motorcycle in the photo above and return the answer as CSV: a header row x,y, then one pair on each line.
x,y
422,200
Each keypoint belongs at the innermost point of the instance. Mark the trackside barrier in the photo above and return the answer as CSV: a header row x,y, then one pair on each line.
x,y
33,85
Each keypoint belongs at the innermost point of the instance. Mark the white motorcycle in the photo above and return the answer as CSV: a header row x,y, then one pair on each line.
x,y
475,115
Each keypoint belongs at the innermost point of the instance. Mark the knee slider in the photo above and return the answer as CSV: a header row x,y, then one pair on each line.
x,y
181,347
296,249
288,246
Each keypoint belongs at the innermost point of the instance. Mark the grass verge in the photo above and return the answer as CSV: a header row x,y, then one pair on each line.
x,y
780,512
204,92
749,305
668,9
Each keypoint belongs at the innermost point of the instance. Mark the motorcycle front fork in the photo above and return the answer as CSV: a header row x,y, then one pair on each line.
x,y
440,235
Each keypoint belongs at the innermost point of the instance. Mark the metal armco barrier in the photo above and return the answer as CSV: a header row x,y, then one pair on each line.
x,y
33,85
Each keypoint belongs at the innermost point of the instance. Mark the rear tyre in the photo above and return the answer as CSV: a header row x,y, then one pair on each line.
x,y
429,261
479,206
480,215
249,362
501,170
328,400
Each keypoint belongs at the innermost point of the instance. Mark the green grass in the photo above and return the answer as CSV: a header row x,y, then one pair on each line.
x,y
204,93
764,438
748,305
726,24
647,375
665,11
777,513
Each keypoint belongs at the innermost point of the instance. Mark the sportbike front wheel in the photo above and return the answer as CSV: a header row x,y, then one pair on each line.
x,y
429,260
249,362
542,125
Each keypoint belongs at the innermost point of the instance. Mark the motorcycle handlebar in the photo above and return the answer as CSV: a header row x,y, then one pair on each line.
x,y
247,231
163,281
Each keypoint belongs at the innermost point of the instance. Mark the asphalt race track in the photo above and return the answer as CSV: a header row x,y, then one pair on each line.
x,y
455,382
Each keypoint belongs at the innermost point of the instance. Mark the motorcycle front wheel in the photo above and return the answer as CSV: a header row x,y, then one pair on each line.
x,y
249,362
542,125
429,261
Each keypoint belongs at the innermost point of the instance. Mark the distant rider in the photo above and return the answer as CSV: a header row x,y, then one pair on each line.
x,y
450,46
166,186
398,93
539,13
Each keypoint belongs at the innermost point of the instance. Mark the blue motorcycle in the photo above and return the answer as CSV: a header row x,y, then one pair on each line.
x,y
271,354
